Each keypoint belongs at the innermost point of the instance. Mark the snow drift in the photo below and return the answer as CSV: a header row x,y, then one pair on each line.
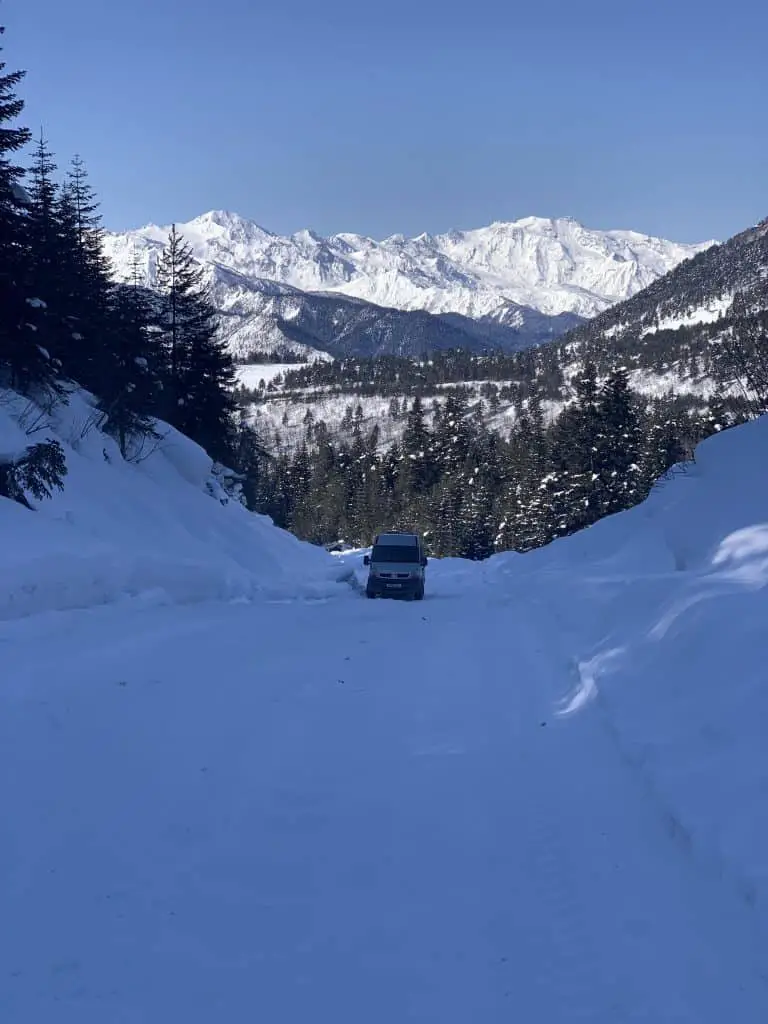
x,y
660,614
159,528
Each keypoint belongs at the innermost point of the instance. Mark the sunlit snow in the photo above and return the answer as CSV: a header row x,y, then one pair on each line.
x,y
237,790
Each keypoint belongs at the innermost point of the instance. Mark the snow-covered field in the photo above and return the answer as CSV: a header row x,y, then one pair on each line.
x,y
249,375
537,796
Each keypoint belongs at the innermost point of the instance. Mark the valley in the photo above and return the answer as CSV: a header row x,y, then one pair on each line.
x,y
260,763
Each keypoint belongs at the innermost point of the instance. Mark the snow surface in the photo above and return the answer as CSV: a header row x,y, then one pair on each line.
x,y
552,265
537,796
708,313
249,374
149,530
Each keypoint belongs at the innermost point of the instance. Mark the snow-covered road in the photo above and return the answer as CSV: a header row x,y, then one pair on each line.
x,y
340,811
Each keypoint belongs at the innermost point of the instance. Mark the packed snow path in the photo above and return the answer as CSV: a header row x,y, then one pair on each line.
x,y
345,811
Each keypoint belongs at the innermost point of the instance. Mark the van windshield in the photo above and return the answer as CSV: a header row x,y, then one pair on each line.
x,y
395,553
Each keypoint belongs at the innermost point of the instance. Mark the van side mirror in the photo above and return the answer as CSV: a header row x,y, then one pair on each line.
x,y
424,560
366,560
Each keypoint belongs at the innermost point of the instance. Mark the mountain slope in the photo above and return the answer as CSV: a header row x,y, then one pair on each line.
x,y
525,282
703,296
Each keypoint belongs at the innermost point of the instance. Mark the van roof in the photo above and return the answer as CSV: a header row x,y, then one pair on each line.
x,y
397,538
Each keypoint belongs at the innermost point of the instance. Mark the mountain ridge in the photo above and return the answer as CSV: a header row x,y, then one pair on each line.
x,y
527,281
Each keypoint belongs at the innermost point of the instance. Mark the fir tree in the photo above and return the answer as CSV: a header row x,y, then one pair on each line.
x,y
42,227
618,446
127,394
25,359
40,469
662,448
573,483
90,300
418,470
200,374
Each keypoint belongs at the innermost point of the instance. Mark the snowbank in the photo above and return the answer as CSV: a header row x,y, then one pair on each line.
x,y
661,612
127,529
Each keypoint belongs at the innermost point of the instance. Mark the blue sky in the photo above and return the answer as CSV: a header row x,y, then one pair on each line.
x,y
406,116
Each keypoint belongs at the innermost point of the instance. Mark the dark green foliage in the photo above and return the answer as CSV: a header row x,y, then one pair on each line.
x,y
467,489
38,471
67,268
64,319
128,392
198,385
25,360
90,299
42,224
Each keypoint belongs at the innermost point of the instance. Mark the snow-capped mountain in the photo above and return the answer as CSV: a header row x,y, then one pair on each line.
x,y
670,335
511,275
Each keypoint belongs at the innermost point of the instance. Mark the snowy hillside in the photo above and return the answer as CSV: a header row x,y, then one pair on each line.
x,y
704,298
661,612
537,796
282,414
524,282
158,529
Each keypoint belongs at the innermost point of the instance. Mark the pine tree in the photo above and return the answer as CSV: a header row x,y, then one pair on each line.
x,y
178,278
619,446
208,409
573,484
127,393
484,480
89,278
40,469
42,227
200,374
663,446
527,519
25,360
67,267
251,458
418,474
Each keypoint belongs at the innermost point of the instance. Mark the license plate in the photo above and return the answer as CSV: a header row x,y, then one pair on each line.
x,y
392,586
